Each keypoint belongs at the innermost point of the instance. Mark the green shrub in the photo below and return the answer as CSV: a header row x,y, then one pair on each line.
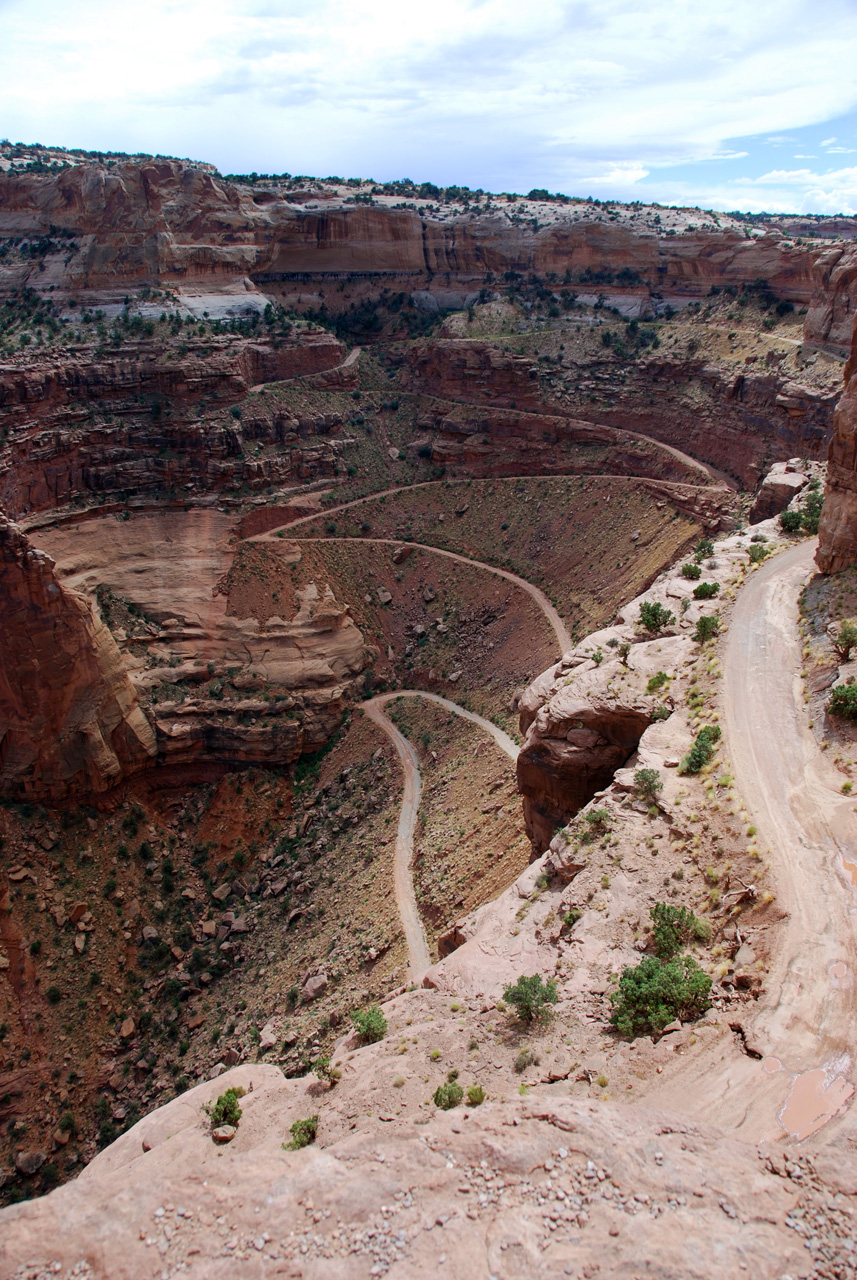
x,y
370,1024
703,548
655,617
54,995
846,639
226,1109
790,521
671,927
758,552
811,513
475,1095
654,993
702,749
842,702
448,1095
691,571
303,1133
325,1071
649,784
657,681
706,591
707,627
531,997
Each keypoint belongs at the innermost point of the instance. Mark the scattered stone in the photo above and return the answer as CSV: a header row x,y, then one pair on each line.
x,y
127,1029
29,1162
224,1133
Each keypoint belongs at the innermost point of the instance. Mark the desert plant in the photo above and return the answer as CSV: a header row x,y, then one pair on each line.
x,y
531,997
648,783
325,1071
654,993
811,513
526,1058
303,1133
790,521
657,681
842,702
672,926
370,1024
691,571
758,552
448,1095
846,639
706,591
703,548
226,1109
707,627
475,1095
702,749
655,617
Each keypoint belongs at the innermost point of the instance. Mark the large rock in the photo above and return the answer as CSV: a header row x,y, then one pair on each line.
x,y
782,483
578,733
837,532
69,718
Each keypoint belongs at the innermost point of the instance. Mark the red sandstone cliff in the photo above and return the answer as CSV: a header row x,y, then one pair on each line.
x,y
837,532
69,718
169,222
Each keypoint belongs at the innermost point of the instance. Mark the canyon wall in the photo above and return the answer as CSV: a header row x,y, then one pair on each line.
x,y
837,531
69,717
738,422
174,222
93,423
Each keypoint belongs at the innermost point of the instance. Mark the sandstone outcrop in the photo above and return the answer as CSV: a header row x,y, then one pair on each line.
x,y
543,1185
69,717
837,530
578,732
783,482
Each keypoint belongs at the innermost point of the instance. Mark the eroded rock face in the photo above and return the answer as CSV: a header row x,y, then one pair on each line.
x,y
578,733
837,531
483,1189
56,448
69,717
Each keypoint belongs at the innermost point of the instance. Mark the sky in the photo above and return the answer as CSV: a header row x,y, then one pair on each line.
x,y
739,104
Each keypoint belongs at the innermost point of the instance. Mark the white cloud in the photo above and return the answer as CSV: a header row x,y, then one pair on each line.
x,y
563,93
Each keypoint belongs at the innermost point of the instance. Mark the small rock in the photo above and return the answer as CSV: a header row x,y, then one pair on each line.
x,y
127,1029
429,594
224,1133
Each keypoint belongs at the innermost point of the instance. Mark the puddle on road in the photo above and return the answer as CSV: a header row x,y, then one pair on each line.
x,y
815,1098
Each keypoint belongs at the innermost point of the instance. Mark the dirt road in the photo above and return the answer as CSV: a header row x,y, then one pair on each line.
x,y
418,952
803,1025
563,636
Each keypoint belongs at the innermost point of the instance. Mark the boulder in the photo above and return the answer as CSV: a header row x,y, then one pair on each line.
x,y
782,483
314,987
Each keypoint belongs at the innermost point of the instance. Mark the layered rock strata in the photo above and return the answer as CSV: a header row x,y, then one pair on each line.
x,y
69,717
88,425
837,531
735,421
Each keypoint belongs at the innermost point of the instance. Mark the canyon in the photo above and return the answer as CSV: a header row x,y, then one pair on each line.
x,y
359,548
